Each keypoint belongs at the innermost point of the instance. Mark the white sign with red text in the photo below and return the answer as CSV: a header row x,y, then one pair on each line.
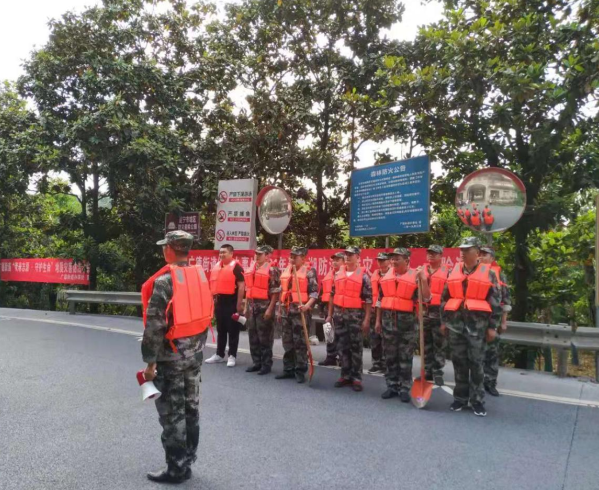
x,y
236,214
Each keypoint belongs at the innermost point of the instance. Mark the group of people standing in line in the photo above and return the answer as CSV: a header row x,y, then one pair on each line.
x,y
466,305
478,219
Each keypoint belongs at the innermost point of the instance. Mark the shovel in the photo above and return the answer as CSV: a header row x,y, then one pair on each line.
x,y
421,388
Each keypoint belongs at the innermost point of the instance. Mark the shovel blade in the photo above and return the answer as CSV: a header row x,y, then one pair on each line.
x,y
421,392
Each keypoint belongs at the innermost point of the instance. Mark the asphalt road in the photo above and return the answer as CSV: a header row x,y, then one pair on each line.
x,y
71,418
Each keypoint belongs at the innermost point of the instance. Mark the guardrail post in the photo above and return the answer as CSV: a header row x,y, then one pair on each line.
x,y
548,360
597,366
72,306
562,363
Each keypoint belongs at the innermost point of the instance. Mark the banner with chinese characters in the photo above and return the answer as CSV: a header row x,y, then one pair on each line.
x,y
391,199
54,271
236,214
320,259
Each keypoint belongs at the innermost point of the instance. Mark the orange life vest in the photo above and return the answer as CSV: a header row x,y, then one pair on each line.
x,y
495,268
437,283
489,219
375,279
398,293
467,213
289,287
477,290
222,278
475,219
327,286
192,304
256,281
486,211
348,289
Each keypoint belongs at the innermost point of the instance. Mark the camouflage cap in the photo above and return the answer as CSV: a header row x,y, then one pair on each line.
x,y
488,250
264,249
436,249
352,250
338,255
299,251
178,240
401,251
382,256
470,242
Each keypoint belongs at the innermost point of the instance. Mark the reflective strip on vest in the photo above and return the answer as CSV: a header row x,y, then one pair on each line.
x,y
348,289
222,279
478,285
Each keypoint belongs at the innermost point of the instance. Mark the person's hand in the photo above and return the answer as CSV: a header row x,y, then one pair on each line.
x,y
420,273
377,327
304,308
443,330
502,328
366,327
150,372
491,335
268,314
240,308
328,319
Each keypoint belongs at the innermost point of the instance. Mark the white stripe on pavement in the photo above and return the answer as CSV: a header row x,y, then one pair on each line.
x,y
514,393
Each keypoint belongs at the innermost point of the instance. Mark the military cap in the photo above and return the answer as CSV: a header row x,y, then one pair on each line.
x,y
178,240
338,255
401,251
436,249
352,250
299,251
382,256
264,249
470,242
489,250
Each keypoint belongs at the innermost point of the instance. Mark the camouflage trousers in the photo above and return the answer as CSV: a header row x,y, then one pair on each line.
x,y
434,346
332,349
399,342
261,333
178,410
376,345
467,354
348,330
295,358
491,365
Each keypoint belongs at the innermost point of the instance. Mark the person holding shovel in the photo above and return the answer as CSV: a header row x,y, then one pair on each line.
x,y
298,275
396,318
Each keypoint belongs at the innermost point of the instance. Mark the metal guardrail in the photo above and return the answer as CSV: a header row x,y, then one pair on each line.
x,y
559,337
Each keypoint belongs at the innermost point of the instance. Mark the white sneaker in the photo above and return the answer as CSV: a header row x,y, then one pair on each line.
x,y
231,361
215,359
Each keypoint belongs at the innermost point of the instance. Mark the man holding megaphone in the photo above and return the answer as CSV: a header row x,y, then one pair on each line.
x,y
178,308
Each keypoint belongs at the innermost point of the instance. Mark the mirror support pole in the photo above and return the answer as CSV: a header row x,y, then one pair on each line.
x,y
280,242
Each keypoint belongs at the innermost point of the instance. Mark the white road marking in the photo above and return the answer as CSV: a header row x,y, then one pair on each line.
x,y
514,393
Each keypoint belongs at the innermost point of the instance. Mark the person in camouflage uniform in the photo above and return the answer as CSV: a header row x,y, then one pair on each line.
x,y
400,329
261,316
434,341
350,322
376,339
337,260
469,330
491,365
295,359
176,374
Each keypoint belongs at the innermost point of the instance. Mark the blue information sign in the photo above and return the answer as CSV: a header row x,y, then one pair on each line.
x,y
391,199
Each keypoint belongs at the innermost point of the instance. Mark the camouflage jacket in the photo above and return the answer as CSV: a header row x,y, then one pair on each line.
x,y
473,322
154,347
506,298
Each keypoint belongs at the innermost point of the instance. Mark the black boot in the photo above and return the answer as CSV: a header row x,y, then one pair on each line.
x,y
165,476
389,394
491,389
329,361
300,377
404,396
264,370
254,368
285,375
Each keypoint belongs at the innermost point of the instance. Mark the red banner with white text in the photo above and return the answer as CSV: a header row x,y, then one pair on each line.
x,y
54,271
319,258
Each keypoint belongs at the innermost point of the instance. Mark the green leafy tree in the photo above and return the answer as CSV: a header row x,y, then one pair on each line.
x,y
506,84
